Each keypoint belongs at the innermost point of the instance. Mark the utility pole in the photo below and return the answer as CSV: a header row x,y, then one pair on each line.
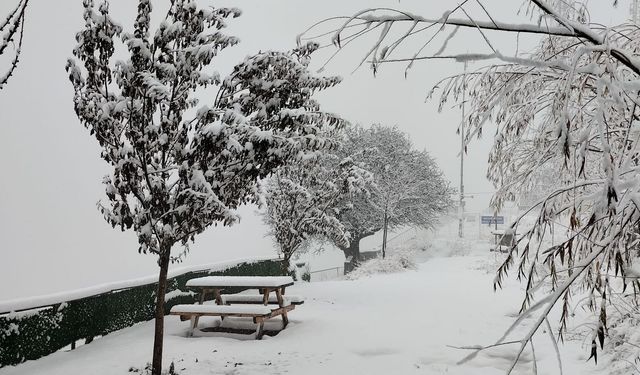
x,y
461,208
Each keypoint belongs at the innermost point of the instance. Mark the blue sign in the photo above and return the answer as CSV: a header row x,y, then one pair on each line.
x,y
492,219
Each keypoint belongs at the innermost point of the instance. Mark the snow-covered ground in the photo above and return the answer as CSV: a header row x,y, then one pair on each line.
x,y
400,323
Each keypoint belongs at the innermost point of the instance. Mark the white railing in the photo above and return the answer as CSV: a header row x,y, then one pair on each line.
x,y
327,274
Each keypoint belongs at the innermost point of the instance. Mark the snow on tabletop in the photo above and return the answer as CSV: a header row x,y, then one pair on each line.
x,y
240,281
55,298
221,309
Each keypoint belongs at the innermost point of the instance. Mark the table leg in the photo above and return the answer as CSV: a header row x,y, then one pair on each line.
x,y
194,324
260,330
194,321
218,297
265,296
285,319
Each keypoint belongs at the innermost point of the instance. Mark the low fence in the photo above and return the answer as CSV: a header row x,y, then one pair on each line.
x,y
31,329
327,274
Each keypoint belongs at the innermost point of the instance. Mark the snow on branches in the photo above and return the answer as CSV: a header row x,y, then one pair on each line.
x,y
371,180
303,201
174,175
180,167
12,29
409,188
570,106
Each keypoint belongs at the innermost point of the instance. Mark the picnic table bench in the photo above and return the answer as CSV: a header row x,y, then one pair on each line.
x,y
503,238
256,306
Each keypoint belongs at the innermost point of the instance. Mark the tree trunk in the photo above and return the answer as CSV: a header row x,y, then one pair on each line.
x,y
384,236
353,251
165,256
286,263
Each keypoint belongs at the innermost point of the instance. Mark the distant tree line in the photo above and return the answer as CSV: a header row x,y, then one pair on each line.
x,y
372,180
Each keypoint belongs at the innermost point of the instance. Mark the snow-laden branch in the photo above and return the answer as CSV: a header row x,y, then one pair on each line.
x,y
10,29
369,16
566,132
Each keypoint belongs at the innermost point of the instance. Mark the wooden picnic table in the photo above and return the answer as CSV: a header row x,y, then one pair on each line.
x,y
506,238
266,285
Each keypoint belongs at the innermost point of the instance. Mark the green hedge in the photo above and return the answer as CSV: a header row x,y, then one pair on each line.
x,y
37,332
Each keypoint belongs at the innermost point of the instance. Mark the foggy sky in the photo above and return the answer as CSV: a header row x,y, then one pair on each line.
x,y
53,238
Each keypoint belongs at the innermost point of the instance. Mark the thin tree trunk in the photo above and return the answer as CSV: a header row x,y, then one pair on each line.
x,y
286,263
384,236
165,256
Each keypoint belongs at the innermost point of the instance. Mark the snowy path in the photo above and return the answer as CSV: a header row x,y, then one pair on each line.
x,y
387,324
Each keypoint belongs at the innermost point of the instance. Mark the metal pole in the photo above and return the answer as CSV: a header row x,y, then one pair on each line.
x,y
461,209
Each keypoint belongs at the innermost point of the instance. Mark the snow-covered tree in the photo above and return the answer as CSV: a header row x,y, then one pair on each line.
x,y
409,189
571,103
12,31
303,201
180,167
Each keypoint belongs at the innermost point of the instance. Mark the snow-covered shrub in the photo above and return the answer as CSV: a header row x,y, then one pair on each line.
x,y
447,247
306,275
623,334
399,260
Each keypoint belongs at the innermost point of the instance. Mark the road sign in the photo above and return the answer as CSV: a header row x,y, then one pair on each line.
x,y
492,220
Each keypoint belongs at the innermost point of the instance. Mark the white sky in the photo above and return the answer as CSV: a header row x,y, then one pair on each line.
x,y
53,238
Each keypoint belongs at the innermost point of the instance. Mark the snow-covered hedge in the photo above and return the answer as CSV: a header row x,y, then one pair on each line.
x,y
33,328
396,261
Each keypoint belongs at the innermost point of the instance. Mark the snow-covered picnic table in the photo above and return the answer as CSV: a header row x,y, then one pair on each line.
x,y
249,282
266,285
